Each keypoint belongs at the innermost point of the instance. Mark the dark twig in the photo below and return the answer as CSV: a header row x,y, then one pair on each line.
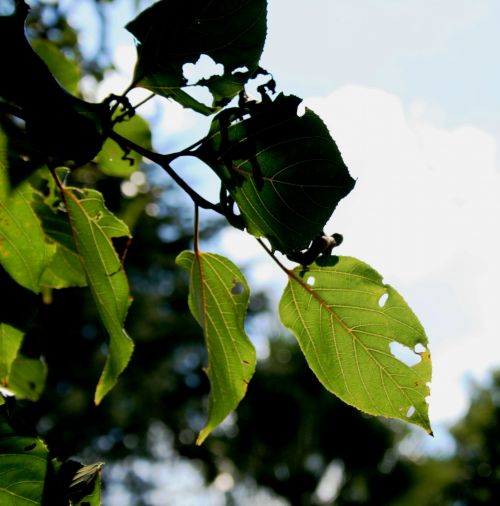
x,y
163,161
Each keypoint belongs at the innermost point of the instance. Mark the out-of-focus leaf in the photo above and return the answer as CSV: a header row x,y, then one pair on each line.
x,y
218,300
10,342
24,466
346,330
27,377
66,71
93,225
284,171
112,160
171,34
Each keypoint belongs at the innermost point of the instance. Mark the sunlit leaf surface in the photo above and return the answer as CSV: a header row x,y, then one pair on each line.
x,y
218,300
347,322
93,227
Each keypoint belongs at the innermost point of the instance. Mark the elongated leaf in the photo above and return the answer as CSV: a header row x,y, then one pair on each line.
x,y
92,226
345,329
171,34
24,466
66,71
284,171
10,342
24,250
218,300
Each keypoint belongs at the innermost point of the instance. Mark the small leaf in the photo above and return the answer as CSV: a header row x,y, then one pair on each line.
x,y
93,227
218,300
171,34
10,342
345,320
284,171
27,377
85,488
112,160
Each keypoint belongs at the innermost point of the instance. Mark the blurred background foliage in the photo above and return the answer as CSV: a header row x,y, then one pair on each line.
x,y
290,441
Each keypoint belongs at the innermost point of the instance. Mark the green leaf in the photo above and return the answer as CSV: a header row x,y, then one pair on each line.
x,y
345,328
171,34
66,71
24,467
24,251
27,377
284,171
93,227
10,343
85,488
111,157
65,269
218,300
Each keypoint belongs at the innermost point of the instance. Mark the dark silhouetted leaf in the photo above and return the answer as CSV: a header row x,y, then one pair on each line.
x,y
284,171
171,34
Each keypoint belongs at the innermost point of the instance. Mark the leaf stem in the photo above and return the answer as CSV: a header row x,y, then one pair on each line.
x,y
196,237
288,272
163,162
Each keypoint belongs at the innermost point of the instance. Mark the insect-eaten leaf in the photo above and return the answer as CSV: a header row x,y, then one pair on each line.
x,y
24,467
345,319
171,34
284,171
218,300
93,226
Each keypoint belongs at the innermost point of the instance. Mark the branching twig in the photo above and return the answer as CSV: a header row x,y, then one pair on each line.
x,y
163,161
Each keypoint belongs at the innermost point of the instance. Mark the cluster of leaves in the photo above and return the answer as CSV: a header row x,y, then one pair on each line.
x,y
281,177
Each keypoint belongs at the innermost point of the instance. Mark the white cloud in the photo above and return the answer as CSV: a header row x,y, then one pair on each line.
x,y
425,212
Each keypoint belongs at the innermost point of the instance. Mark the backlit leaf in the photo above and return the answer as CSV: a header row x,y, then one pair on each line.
x,y
284,171
347,322
27,377
93,227
171,34
24,466
112,160
10,342
24,250
218,300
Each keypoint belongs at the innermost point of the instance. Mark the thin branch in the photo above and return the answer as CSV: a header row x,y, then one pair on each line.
x,y
163,161
196,238
288,272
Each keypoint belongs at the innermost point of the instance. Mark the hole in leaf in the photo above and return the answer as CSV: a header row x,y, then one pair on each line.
x,y
404,354
301,109
240,69
419,348
30,447
311,280
237,288
383,299
204,68
410,412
